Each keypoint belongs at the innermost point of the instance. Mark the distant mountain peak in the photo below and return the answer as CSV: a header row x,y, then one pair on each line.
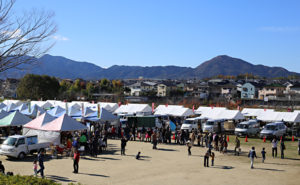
x,y
62,67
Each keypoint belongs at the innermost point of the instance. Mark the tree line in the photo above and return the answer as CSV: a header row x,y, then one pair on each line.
x,y
37,87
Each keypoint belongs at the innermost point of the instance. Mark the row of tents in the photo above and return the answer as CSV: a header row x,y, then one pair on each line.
x,y
109,111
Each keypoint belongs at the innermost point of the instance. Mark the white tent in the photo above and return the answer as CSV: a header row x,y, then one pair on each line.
x,y
164,110
182,112
10,107
43,104
56,111
204,110
34,111
21,107
2,105
3,114
211,113
63,123
138,109
16,102
249,112
230,115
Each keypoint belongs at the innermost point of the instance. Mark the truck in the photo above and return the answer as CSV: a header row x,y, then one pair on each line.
x,y
192,123
143,121
18,146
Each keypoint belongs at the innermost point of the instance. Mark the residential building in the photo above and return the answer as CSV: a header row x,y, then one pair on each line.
x,y
248,91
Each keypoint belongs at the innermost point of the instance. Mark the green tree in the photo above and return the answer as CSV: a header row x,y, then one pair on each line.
x,y
105,85
35,87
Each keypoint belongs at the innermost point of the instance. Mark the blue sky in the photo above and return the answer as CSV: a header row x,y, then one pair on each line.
x,y
174,32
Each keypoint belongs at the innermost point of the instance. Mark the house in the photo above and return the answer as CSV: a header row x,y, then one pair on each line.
x,y
271,91
248,91
137,88
295,89
161,90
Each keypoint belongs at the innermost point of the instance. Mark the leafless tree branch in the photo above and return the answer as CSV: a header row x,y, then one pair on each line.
x,y
23,39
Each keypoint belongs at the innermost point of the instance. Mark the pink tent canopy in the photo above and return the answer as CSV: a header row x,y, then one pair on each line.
x,y
40,121
64,123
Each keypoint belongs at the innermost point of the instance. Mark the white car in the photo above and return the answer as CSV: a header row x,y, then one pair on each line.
x,y
19,146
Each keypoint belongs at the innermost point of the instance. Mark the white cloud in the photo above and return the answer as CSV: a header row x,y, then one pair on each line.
x,y
60,38
13,34
280,29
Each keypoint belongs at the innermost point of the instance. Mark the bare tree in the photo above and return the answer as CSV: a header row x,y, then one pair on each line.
x,y
23,38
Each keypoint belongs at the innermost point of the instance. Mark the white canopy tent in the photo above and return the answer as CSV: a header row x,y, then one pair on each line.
x,y
251,112
138,109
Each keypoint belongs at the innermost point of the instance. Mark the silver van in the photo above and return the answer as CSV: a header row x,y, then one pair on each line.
x,y
247,128
276,129
213,125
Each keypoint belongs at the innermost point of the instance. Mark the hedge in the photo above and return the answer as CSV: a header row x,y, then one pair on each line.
x,y
26,180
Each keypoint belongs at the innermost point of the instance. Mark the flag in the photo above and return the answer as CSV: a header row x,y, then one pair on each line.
x,y
93,102
193,108
119,103
238,107
98,110
167,105
152,107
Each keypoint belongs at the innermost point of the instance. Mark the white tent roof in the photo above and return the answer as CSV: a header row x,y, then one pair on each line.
x,y
34,110
293,117
222,114
163,110
57,111
255,112
42,104
21,107
10,107
134,109
203,110
3,114
63,123
182,112
2,105
16,102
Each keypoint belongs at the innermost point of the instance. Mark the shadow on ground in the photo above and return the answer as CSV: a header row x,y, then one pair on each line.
x,y
59,178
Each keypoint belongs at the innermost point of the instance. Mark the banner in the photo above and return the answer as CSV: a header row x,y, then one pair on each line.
x,y
152,107
82,109
98,110
193,108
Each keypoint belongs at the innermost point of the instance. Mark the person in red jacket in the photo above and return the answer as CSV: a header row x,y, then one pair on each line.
x,y
76,161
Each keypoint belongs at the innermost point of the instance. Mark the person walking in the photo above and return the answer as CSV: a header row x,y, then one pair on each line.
x,y
41,163
189,146
282,148
206,158
237,146
274,147
252,154
123,145
263,155
76,161
154,140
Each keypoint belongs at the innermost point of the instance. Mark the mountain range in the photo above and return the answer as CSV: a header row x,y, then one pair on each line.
x,y
62,67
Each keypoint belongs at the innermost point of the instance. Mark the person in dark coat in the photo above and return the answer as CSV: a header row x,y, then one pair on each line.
x,y
251,155
76,161
282,148
2,169
41,163
123,145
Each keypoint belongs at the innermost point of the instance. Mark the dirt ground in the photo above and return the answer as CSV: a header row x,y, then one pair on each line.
x,y
169,165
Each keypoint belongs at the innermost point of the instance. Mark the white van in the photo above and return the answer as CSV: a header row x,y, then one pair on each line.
x,y
192,123
213,125
247,128
19,146
276,129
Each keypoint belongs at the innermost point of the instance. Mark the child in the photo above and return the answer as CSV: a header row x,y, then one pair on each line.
x,y
76,161
35,167
138,156
212,158
263,154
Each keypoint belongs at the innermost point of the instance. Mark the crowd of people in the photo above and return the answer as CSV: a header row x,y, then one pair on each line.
x,y
95,141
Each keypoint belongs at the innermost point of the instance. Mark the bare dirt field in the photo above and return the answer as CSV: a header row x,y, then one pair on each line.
x,y
169,165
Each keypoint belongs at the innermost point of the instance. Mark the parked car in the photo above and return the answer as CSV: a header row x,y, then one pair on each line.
x,y
273,129
192,123
213,125
247,128
19,146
